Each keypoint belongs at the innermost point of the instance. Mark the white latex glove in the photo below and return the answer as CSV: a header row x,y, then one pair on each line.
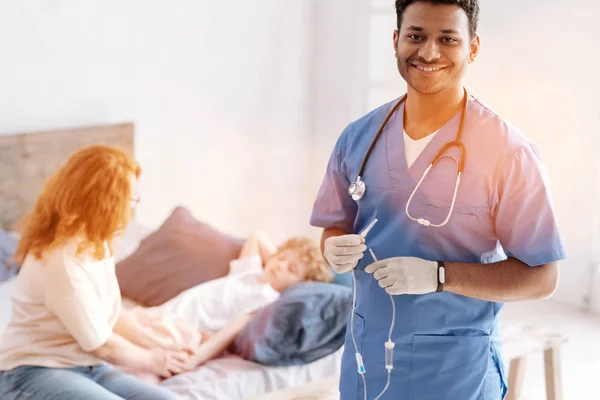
x,y
405,275
343,252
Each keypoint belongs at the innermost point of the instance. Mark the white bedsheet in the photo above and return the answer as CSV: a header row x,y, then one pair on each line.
x,y
233,378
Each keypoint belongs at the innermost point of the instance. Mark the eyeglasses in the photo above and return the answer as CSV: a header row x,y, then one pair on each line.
x,y
134,201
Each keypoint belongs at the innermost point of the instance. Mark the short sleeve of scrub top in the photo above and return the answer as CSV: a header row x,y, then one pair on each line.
x,y
333,207
524,215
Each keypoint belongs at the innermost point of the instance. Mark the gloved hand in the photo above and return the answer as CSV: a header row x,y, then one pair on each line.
x,y
343,252
405,275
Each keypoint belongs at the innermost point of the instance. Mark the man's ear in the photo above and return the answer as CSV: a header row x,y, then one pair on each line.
x,y
396,36
475,45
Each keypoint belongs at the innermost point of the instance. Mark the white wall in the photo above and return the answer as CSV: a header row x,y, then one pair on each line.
x,y
237,104
535,74
217,90
336,75
540,75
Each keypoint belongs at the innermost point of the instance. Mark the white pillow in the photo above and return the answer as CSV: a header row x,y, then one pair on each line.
x,y
125,244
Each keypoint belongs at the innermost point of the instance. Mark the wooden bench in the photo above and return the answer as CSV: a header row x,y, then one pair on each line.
x,y
523,341
519,343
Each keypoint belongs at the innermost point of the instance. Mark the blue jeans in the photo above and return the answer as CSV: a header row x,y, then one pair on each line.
x,y
101,382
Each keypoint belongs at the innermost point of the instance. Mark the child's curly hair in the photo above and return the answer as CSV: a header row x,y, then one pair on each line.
x,y
310,255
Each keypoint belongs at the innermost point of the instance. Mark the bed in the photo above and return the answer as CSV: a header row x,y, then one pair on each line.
x,y
26,161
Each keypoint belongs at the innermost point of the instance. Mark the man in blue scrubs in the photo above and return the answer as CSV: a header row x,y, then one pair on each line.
x,y
497,240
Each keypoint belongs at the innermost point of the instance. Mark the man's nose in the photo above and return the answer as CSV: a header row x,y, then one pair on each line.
x,y
429,51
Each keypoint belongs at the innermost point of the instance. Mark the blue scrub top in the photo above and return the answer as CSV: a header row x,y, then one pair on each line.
x,y
447,346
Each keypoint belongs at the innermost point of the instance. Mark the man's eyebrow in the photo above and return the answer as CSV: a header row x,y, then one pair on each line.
x,y
420,29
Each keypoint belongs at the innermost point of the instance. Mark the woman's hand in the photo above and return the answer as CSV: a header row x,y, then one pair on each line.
x,y
166,363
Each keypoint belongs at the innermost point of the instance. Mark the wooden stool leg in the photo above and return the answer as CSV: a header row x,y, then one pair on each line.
x,y
516,373
553,374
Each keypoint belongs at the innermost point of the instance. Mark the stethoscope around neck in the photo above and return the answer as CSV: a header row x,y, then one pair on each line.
x,y
358,188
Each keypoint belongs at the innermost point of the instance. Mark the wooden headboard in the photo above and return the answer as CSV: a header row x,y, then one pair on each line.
x,y
28,160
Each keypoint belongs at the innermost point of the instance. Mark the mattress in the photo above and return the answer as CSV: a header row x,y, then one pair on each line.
x,y
234,378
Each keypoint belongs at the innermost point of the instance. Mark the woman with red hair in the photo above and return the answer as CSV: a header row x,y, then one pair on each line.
x,y
67,325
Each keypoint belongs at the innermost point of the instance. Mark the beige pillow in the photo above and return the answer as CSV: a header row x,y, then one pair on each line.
x,y
182,253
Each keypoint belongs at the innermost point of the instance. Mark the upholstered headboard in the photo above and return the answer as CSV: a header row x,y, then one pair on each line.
x,y
27,160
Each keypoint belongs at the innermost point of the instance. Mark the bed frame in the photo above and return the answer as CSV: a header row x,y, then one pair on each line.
x,y
27,160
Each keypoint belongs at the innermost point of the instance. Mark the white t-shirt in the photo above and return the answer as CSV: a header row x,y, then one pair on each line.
x,y
413,148
63,306
213,304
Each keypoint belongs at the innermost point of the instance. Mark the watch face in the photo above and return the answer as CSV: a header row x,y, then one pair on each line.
x,y
442,274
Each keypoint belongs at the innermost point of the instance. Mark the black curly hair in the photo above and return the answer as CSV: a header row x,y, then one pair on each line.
x,y
471,7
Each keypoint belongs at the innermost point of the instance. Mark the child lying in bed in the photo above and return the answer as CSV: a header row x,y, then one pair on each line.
x,y
213,313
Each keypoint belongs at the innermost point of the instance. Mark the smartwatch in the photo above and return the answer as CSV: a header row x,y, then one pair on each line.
x,y
441,276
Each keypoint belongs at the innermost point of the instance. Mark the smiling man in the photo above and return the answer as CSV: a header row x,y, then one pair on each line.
x,y
465,222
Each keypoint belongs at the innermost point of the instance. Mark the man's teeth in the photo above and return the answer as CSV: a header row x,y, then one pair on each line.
x,y
430,69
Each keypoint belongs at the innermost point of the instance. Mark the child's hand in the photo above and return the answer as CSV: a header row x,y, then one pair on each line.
x,y
206,335
197,358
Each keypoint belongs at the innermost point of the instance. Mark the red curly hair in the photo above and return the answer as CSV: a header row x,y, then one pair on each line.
x,y
88,197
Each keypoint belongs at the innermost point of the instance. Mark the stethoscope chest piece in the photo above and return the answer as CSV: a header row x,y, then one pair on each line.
x,y
357,189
